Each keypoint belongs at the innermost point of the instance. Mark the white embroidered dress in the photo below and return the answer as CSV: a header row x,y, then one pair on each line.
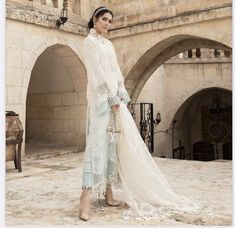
x,y
144,188
105,88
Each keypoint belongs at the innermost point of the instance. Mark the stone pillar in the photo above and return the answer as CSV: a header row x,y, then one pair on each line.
x,y
193,53
49,3
221,53
76,7
206,53
212,53
60,4
85,9
69,5
203,53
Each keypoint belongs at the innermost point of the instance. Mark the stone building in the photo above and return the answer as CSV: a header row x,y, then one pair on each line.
x,y
175,54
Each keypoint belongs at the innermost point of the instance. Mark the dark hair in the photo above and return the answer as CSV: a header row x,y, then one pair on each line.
x,y
99,14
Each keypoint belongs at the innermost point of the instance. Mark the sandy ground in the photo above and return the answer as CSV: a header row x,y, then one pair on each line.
x,y
47,191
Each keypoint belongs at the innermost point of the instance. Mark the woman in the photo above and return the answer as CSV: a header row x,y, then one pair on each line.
x,y
105,91
144,188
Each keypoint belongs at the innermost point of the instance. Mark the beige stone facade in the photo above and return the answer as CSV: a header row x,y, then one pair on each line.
x,y
46,79
179,88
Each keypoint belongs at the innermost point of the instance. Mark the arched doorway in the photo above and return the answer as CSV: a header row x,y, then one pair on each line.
x,y
203,123
56,99
159,53
175,81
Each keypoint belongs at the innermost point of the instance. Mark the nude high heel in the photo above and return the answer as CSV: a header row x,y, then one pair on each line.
x,y
83,214
112,202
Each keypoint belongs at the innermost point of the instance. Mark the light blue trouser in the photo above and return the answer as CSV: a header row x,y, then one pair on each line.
x,y
87,178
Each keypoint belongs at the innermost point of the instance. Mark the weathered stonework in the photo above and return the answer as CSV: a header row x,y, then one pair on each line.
x,y
146,34
43,15
173,83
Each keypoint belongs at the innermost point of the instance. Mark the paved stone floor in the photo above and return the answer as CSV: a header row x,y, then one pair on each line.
x,y
47,191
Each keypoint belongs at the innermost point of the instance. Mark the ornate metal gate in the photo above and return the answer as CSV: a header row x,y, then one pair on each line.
x,y
142,113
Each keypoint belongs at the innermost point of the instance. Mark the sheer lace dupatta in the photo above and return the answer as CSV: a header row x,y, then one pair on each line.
x,y
145,189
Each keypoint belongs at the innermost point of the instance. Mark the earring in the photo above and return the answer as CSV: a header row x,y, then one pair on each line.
x,y
94,26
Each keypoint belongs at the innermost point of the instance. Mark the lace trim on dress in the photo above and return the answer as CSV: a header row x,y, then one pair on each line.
x,y
124,97
106,99
96,34
145,189
110,175
103,89
122,93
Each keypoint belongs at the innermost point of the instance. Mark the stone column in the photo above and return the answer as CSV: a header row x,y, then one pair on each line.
x,y
69,5
206,53
212,53
49,3
203,53
193,53
76,7
221,53
85,9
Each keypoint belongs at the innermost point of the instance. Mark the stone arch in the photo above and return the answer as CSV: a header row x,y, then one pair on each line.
x,y
69,59
36,53
161,52
180,118
188,95
56,101
178,79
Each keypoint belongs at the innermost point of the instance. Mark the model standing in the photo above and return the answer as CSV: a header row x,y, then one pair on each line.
x,y
105,91
145,189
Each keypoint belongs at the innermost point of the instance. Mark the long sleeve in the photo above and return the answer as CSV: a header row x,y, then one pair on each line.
x,y
97,78
122,92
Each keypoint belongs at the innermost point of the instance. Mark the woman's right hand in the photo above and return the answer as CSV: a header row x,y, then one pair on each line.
x,y
115,108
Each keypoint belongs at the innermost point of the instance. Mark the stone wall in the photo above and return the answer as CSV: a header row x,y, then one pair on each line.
x,y
25,43
46,14
173,83
30,30
129,12
190,127
56,100
56,118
